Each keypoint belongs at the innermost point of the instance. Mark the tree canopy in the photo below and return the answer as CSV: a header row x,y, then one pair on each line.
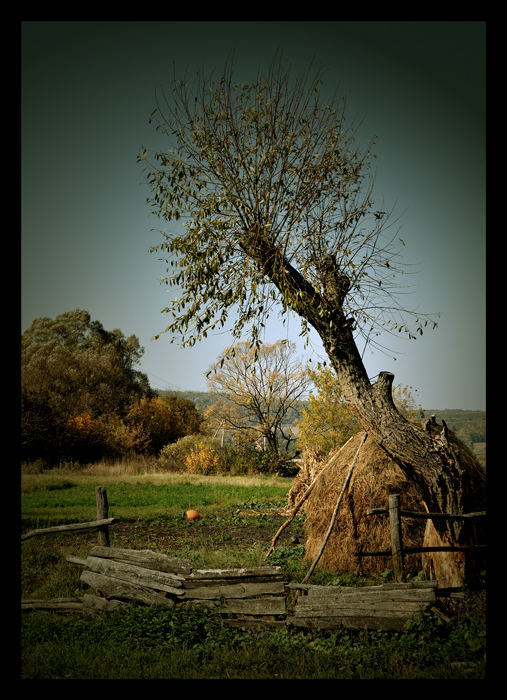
x,y
275,208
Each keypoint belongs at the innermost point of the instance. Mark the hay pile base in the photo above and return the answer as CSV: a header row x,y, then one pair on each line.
x,y
374,478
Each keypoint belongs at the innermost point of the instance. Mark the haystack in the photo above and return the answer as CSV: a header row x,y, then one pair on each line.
x,y
374,478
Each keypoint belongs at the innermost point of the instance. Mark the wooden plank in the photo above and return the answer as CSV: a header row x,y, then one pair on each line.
x,y
415,595
132,574
427,516
259,571
69,528
384,609
75,560
115,588
250,606
383,587
145,558
239,590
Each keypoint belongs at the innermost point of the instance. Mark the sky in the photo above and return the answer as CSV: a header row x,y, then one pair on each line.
x,y
88,90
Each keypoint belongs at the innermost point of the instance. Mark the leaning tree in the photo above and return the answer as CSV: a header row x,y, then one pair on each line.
x,y
274,200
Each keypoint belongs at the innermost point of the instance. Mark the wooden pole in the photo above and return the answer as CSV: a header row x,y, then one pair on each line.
x,y
396,538
102,511
335,513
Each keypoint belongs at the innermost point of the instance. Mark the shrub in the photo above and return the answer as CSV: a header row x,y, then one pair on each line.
x,y
202,460
172,457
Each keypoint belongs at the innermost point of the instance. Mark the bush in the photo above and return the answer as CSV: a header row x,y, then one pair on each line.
x,y
270,462
172,457
202,460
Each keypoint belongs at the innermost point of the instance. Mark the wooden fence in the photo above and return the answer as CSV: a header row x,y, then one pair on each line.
x,y
248,597
254,597
397,550
102,523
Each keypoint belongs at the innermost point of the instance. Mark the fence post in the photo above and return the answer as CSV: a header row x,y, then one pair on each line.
x,y
102,514
396,538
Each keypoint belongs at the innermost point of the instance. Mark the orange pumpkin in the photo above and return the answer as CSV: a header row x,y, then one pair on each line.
x,y
192,515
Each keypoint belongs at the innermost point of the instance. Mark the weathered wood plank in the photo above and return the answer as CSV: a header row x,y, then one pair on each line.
x,y
359,595
239,590
145,558
69,528
383,587
211,574
132,574
250,606
354,609
116,588
75,560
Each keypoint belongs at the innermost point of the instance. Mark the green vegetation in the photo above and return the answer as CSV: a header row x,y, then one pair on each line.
x,y
51,498
160,642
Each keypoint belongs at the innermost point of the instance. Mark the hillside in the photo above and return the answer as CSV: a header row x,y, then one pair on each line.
x,y
471,423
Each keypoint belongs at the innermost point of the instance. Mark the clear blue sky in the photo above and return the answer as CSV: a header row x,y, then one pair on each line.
x,y
88,89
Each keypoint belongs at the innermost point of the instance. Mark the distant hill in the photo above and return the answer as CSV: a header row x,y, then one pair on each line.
x,y
470,424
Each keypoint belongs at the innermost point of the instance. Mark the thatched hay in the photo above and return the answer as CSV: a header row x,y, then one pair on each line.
x,y
374,478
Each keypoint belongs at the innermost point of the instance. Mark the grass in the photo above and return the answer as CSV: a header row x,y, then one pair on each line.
x,y
159,642
59,497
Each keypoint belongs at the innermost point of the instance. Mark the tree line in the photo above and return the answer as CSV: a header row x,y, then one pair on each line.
x,y
82,398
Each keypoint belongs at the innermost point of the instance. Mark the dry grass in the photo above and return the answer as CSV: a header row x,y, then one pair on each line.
x,y
374,478
131,472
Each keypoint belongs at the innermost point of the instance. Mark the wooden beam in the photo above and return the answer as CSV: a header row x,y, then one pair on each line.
x,y
69,528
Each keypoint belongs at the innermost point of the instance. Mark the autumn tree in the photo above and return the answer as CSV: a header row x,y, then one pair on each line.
x,y
158,422
187,411
74,372
257,395
272,194
327,421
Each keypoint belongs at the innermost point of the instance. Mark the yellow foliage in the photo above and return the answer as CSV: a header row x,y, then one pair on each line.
x,y
202,460
82,424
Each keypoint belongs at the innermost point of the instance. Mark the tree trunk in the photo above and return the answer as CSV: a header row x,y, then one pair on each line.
x,y
424,457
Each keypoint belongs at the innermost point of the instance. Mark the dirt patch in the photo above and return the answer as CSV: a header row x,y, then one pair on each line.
x,y
185,536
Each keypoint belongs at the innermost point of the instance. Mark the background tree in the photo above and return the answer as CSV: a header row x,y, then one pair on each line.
x,y
187,411
74,372
258,394
327,422
162,422
275,203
